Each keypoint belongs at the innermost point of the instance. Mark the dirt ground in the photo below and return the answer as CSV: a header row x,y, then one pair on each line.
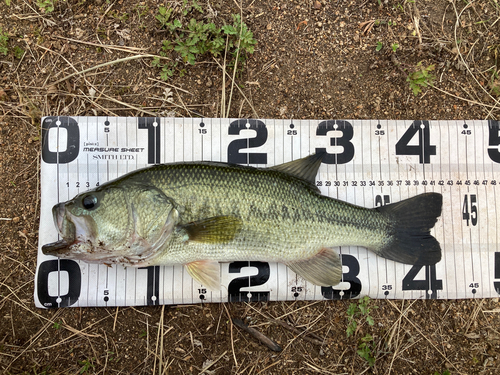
x,y
313,59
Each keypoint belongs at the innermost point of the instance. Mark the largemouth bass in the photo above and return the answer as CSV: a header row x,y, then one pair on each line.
x,y
201,213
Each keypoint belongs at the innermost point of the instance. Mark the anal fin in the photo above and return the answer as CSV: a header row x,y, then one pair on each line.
x,y
323,269
206,272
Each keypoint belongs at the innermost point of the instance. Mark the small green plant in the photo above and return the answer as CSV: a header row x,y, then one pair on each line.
x,y
4,40
118,16
86,364
445,372
18,52
365,349
46,6
56,325
399,7
101,32
197,38
7,2
356,312
239,30
379,46
422,77
163,15
187,7
142,10
495,82
168,69
394,47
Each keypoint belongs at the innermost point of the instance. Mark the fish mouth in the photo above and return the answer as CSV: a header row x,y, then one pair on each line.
x,y
58,248
66,230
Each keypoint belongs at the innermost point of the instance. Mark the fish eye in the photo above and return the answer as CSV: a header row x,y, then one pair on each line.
x,y
89,202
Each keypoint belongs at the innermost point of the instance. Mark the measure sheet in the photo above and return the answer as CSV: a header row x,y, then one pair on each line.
x,y
368,163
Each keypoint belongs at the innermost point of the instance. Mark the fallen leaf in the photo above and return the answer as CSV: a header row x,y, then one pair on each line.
x,y
300,24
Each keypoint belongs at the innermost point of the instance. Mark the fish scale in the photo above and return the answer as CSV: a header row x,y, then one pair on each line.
x,y
256,202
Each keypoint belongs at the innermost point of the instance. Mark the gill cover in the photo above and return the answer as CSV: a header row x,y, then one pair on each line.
x,y
112,224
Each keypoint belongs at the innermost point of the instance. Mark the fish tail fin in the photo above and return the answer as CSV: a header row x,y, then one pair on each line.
x,y
410,239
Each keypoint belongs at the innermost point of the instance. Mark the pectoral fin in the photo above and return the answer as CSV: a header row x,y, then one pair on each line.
x,y
323,269
217,229
206,272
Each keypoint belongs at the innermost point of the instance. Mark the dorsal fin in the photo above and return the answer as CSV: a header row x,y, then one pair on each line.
x,y
305,168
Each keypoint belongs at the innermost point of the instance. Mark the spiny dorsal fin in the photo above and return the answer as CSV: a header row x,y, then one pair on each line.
x,y
305,168
217,229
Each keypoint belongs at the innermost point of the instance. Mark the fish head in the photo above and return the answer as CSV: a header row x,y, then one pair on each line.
x,y
113,224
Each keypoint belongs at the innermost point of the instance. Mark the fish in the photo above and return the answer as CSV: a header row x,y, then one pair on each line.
x,y
199,214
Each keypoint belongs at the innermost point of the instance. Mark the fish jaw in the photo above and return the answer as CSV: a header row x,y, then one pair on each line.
x,y
74,232
65,227
66,230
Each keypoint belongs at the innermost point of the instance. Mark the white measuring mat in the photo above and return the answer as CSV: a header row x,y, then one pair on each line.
x,y
368,163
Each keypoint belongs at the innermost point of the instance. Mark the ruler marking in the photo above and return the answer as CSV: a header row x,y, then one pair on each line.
x,y
452,223
496,224
490,285
476,159
468,191
191,289
364,205
429,269
116,287
58,199
373,170
385,265
292,141
202,143
107,179
445,265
